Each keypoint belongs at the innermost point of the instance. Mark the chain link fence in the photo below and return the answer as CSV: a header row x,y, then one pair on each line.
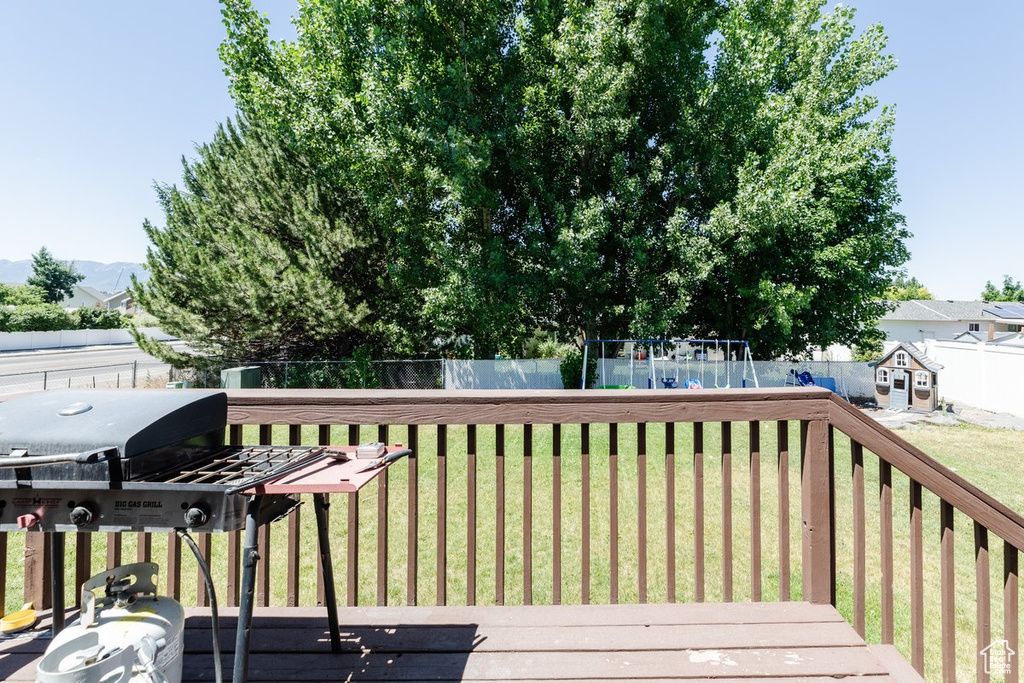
x,y
853,380
137,374
329,374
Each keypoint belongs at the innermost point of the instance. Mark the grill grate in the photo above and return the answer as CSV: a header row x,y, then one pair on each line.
x,y
244,466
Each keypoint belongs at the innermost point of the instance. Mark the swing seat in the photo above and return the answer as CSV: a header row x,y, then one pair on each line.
x,y
670,383
692,384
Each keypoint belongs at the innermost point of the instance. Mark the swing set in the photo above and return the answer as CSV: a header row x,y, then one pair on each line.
x,y
673,363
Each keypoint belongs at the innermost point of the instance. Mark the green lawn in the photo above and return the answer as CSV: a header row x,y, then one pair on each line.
x,y
983,456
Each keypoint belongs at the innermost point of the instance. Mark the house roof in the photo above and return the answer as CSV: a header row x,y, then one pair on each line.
x,y
939,310
915,353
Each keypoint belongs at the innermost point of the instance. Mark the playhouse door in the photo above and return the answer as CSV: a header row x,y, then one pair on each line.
x,y
900,393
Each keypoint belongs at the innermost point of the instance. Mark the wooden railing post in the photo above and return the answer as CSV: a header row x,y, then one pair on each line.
x,y
815,509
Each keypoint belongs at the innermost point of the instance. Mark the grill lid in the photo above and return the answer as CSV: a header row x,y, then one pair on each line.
x,y
135,423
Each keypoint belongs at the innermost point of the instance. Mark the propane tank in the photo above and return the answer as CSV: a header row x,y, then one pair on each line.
x,y
125,633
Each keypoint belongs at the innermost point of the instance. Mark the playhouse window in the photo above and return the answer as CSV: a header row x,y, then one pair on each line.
x,y
901,359
882,376
922,380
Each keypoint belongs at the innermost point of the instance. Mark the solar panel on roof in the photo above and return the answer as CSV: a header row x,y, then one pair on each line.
x,y
1006,310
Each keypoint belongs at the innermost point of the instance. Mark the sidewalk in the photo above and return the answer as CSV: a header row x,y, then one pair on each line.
x,y
976,416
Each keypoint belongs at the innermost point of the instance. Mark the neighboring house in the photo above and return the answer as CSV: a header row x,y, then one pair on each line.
x,y
918,320
907,379
89,297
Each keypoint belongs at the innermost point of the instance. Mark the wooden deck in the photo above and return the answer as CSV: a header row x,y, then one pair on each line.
x,y
739,641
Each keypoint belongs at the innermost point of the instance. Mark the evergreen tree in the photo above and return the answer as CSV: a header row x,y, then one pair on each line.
x,y
259,257
57,279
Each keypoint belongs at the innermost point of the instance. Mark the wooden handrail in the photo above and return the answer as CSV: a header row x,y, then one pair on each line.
x,y
937,478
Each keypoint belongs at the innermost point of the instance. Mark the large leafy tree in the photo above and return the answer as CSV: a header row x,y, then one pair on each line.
x,y
259,257
1010,291
707,167
56,279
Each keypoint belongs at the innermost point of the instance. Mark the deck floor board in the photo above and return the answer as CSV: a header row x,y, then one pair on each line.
x,y
689,642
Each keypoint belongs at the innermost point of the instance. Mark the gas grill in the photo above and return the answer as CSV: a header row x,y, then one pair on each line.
x,y
150,461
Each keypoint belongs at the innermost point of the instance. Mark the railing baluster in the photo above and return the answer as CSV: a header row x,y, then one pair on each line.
x,y
173,574
412,535
585,513
114,550
859,539
205,544
144,550
726,511
613,511
352,559
885,528
670,512
262,541
948,593
916,578
556,514
641,505
982,596
83,561
698,511
382,525
471,515
528,514
234,559
294,540
1011,617
785,578
755,511
442,514
323,439
499,519
3,573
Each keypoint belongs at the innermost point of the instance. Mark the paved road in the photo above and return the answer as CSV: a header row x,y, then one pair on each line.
x,y
103,366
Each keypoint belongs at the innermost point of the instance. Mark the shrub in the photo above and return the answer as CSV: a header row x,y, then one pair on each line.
x,y
38,318
96,319
571,368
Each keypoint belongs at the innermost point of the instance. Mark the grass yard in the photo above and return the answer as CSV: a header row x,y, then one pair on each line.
x,y
983,456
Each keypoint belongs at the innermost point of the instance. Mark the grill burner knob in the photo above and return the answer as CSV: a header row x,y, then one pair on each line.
x,y
195,517
28,521
81,515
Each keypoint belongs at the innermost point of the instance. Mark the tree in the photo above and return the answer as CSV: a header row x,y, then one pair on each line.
x,y
700,168
56,278
258,258
903,289
20,295
1011,291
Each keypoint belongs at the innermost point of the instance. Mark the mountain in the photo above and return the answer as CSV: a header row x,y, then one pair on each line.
x,y
106,277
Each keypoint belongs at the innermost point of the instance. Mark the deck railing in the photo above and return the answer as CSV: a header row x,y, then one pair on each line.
x,y
610,496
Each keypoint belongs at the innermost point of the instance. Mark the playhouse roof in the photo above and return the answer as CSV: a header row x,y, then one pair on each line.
x,y
914,352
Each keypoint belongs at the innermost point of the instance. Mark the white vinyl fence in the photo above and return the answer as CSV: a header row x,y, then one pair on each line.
x,y
986,376
32,341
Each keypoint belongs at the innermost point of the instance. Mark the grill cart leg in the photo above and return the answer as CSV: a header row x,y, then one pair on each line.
x,y
320,505
57,581
250,556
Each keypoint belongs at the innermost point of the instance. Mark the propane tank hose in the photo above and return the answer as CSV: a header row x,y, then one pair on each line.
x,y
183,535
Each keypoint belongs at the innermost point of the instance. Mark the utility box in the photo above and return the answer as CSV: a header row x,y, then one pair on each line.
x,y
248,377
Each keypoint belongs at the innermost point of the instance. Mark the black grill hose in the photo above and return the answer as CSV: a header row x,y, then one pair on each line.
x,y
182,534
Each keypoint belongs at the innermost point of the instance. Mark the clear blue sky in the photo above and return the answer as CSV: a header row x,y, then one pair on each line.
x,y
99,100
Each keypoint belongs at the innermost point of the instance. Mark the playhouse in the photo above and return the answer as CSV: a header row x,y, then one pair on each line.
x,y
906,379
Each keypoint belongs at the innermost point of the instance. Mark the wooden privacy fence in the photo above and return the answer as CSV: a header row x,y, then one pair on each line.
x,y
617,496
